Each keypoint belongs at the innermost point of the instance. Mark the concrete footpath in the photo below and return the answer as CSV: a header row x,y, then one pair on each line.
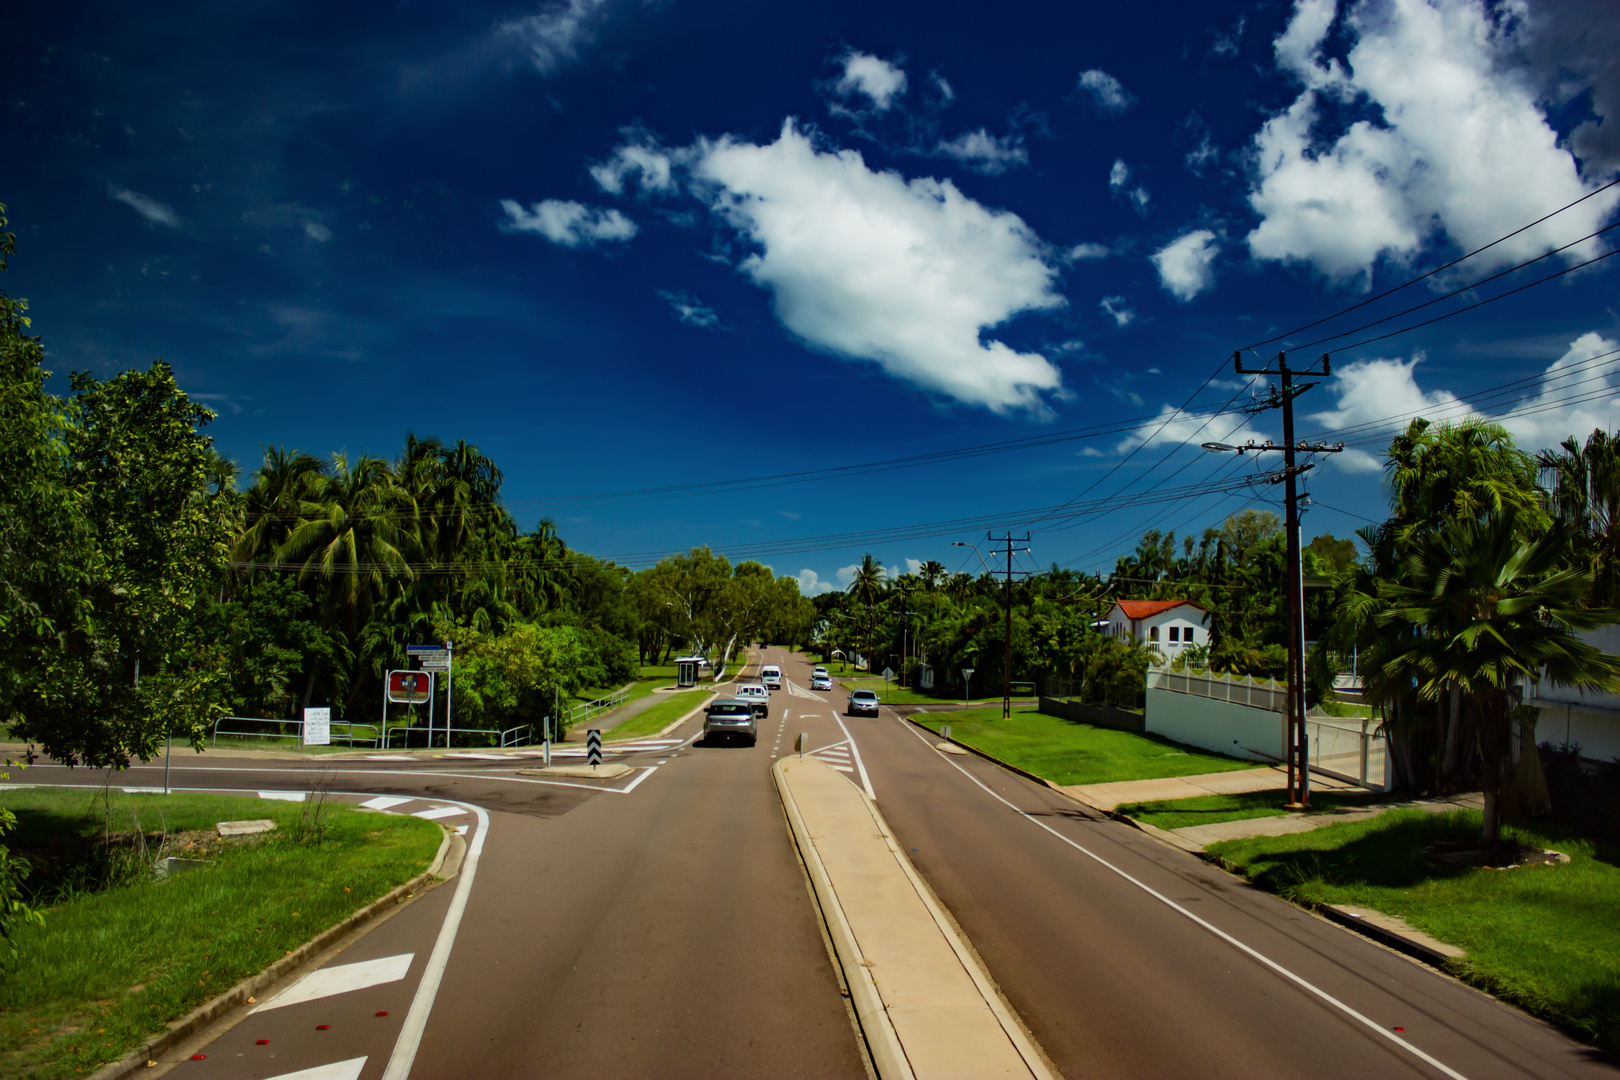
x,y
926,1007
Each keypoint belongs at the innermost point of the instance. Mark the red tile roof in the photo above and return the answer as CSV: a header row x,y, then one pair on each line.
x,y
1142,609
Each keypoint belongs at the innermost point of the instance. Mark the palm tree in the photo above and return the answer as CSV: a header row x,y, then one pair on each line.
x,y
281,488
867,586
1586,498
1481,612
932,574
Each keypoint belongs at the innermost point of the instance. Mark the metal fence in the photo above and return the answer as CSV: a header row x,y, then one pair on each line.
x,y
259,727
1265,694
1349,749
1091,693
592,709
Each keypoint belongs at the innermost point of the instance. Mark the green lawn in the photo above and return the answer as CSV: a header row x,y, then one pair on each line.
x,y
649,678
1209,809
1065,752
659,716
114,964
1543,937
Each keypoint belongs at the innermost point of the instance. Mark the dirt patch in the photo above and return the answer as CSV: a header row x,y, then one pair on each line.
x,y
1501,855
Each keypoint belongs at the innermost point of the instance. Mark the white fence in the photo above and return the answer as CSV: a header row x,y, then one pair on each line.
x,y
1267,694
592,709
1243,717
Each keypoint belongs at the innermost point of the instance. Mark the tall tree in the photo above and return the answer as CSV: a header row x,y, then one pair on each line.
x,y
1585,486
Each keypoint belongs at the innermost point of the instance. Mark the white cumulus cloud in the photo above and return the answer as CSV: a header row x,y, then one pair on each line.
x,y
871,266
1586,370
879,81
565,222
810,583
553,35
1087,251
1119,181
1108,95
1117,309
1185,264
317,232
1383,394
1457,145
149,208
640,157
984,152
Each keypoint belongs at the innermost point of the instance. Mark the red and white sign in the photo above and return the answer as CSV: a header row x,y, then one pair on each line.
x,y
408,687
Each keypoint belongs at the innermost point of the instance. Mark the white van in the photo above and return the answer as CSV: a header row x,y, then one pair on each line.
x,y
771,676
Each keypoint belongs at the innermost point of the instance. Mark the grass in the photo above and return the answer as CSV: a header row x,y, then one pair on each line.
x,y
1066,752
649,678
891,693
113,965
1347,709
657,717
1543,937
1209,809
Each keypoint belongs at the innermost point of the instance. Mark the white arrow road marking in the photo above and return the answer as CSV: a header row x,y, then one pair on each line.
x,y
439,812
340,980
798,691
338,1070
285,796
385,802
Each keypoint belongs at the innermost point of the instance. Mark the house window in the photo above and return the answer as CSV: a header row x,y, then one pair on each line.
x,y
1175,631
1153,633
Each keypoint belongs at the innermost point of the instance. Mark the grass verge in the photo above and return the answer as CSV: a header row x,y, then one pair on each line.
x,y
121,954
1211,809
656,717
1066,752
894,694
1542,937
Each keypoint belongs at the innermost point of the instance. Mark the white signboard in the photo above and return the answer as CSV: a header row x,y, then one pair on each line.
x,y
318,727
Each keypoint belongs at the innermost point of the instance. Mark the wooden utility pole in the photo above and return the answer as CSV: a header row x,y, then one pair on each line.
x,y
1007,542
1298,750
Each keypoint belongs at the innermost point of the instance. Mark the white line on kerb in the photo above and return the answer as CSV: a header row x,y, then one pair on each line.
x,y
410,1035
1217,931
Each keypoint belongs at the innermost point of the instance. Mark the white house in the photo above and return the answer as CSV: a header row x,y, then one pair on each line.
x,y
1172,625
1587,718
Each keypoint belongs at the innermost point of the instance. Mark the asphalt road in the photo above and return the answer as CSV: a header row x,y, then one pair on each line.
x,y
660,926
1127,958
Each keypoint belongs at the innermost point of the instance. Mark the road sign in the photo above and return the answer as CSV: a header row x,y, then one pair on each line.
x,y
888,673
318,727
593,747
408,687
431,657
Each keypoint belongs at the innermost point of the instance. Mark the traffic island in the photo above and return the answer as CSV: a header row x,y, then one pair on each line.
x,y
925,1006
605,771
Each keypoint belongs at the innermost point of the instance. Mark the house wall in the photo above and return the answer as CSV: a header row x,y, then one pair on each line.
x,y
1587,718
1219,726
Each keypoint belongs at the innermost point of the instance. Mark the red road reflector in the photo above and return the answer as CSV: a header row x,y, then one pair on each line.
x,y
322,1027
261,1042
1400,1029
382,1012
199,1057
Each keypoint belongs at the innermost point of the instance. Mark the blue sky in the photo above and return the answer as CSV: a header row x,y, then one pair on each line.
x,y
629,246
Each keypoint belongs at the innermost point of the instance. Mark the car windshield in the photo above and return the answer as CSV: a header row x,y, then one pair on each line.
x,y
729,709
865,695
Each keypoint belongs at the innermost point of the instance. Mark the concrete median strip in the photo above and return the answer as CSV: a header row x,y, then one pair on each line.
x,y
926,1007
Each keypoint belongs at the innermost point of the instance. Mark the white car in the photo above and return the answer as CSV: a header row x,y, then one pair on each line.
x,y
757,696
771,676
863,701
821,681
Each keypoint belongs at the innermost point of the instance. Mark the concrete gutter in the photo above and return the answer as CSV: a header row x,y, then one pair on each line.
x,y
212,1010
926,1007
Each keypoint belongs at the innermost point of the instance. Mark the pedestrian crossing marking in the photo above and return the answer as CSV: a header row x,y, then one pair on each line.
x,y
439,812
385,802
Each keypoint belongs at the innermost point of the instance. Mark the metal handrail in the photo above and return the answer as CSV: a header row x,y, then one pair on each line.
x,y
598,707
299,724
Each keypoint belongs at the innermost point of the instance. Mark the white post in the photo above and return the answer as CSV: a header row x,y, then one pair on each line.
x,y
450,688
433,679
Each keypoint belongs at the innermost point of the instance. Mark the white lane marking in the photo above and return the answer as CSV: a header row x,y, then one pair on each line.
x,y
866,781
384,802
340,980
461,830
637,781
798,691
284,796
140,790
1217,931
480,757
439,812
414,773
410,1035
382,757
338,1070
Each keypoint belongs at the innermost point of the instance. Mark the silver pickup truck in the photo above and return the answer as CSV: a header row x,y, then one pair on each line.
x,y
757,696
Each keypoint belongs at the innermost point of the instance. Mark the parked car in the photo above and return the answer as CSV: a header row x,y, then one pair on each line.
x,y
821,681
771,676
731,717
757,696
863,701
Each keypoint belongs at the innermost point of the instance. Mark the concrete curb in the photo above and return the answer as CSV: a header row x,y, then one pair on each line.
x,y
888,1053
177,1032
882,1043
